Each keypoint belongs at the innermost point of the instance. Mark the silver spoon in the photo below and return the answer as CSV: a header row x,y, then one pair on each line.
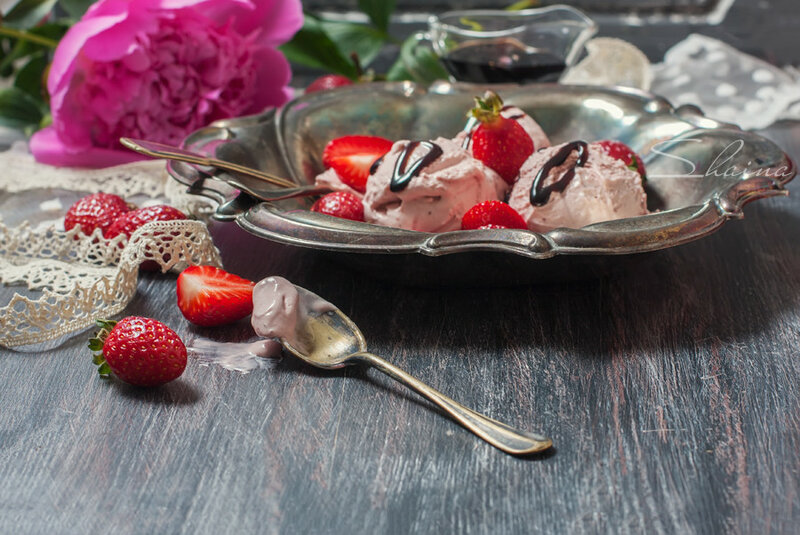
x,y
331,340
257,189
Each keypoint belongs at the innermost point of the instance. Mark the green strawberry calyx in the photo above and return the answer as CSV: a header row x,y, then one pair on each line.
x,y
96,345
487,108
634,166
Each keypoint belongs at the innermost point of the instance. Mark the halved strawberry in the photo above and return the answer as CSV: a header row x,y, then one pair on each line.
x,y
500,143
492,214
209,296
352,156
340,204
620,151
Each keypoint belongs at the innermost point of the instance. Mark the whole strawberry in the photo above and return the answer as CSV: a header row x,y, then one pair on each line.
x,y
128,222
329,81
209,296
340,204
620,151
500,143
139,351
492,214
98,210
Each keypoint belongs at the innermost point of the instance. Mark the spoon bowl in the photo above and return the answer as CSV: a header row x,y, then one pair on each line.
x,y
327,340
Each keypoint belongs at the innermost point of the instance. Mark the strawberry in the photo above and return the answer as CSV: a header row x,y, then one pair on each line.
x,y
128,222
98,210
620,151
209,296
139,351
329,81
500,143
352,156
340,204
492,214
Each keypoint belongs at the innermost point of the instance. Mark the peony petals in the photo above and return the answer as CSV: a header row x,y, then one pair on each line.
x,y
160,69
48,148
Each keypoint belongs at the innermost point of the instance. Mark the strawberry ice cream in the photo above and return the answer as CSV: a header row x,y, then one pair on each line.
x,y
332,179
428,186
574,185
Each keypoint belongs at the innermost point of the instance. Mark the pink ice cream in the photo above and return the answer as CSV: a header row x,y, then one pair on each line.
x,y
278,307
602,189
331,179
527,123
435,199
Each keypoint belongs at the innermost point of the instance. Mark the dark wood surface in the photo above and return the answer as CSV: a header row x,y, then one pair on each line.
x,y
670,391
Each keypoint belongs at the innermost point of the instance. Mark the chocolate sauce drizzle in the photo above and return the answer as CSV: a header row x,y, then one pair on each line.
x,y
375,165
403,174
539,194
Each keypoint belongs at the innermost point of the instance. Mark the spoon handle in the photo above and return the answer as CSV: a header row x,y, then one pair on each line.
x,y
498,434
160,150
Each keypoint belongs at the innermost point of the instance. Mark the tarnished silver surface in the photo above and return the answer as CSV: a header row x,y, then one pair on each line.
x,y
701,170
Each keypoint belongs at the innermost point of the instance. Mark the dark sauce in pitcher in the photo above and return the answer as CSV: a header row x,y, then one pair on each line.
x,y
502,61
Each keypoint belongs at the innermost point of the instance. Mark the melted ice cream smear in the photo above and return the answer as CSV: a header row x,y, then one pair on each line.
x,y
278,308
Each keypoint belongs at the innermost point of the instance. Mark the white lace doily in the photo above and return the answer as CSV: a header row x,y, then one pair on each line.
x,y
726,84
82,278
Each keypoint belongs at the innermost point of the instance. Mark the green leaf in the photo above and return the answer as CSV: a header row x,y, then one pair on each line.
x,y
418,63
105,324
523,4
18,110
53,31
27,13
30,78
398,72
95,344
472,24
361,39
75,8
312,47
378,11
104,370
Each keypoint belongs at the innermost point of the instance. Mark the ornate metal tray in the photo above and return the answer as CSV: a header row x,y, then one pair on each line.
x,y
701,173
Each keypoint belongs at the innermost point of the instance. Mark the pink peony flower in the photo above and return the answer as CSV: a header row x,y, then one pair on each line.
x,y
159,69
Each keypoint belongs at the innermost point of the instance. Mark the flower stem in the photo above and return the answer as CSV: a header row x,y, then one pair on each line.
x,y
26,36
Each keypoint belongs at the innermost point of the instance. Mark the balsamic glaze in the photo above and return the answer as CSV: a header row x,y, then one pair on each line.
x,y
403,174
502,60
539,194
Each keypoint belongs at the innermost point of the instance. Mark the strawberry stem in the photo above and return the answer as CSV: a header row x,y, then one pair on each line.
x,y
488,108
96,345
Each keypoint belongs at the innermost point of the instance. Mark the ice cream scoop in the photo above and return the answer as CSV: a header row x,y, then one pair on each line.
x,y
318,333
573,185
428,186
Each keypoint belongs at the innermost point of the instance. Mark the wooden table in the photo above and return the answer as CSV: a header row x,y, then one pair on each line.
x,y
670,391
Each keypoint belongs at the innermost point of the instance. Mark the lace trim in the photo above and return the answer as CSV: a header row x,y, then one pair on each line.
x,y
21,172
81,277
86,277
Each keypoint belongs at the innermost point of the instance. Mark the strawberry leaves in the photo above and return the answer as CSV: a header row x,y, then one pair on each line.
x,y
96,346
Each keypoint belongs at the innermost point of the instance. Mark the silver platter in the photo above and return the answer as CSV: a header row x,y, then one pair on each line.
x,y
701,173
